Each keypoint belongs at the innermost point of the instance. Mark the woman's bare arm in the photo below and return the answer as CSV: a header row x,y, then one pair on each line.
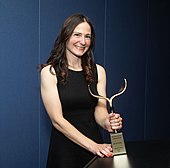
x,y
53,107
103,118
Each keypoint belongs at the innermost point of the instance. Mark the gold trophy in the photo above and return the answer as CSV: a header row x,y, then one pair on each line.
x,y
116,137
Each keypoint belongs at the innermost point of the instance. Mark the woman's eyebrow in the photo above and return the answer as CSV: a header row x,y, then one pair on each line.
x,y
81,33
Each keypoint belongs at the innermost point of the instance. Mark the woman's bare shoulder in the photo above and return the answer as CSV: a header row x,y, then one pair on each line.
x,y
48,73
100,69
47,70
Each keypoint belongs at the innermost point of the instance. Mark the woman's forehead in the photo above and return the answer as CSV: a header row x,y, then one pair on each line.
x,y
83,27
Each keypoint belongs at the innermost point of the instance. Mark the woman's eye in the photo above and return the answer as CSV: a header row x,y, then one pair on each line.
x,y
76,35
88,37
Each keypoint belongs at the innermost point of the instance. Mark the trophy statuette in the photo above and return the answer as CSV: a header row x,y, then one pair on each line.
x,y
116,137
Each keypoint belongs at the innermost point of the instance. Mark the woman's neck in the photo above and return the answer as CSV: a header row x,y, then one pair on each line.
x,y
75,67
74,64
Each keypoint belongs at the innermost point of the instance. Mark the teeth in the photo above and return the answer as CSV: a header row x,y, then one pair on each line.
x,y
80,47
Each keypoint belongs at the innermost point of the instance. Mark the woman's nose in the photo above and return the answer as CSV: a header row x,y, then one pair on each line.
x,y
83,40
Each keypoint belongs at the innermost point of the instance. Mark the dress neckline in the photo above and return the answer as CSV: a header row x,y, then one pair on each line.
x,y
75,70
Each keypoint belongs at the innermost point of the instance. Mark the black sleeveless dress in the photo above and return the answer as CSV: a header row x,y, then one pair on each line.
x,y
78,108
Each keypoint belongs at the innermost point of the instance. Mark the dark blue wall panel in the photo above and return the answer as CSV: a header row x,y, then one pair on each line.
x,y
19,98
132,41
125,57
158,74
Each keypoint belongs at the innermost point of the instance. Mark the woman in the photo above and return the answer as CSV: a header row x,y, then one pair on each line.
x,y
74,113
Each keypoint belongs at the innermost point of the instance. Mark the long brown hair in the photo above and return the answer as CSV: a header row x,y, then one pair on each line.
x,y
58,58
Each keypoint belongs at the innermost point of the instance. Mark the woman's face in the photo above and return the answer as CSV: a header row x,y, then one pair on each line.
x,y
80,40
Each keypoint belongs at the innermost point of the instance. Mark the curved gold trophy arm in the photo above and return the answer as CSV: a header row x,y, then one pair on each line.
x,y
110,100
121,91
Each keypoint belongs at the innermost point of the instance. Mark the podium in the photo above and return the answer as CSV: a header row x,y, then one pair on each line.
x,y
143,154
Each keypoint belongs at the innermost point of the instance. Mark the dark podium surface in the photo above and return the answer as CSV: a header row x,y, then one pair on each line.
x,y
145,154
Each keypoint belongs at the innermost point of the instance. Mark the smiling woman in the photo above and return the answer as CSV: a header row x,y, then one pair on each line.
x,y
78,44
74,113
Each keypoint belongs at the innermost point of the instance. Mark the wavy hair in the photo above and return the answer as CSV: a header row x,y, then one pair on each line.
x,y
58,58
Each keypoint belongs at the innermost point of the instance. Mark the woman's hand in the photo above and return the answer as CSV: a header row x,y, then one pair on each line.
x,y
113,122
102,150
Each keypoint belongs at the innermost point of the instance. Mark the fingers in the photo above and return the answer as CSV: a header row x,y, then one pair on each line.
x,y
103,153
115,121
104,150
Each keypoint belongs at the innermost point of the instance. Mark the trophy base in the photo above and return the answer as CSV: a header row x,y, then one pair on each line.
x,y
118,144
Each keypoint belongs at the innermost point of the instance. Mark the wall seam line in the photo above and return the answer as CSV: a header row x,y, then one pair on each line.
x,y
146,71
39,47
104,45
